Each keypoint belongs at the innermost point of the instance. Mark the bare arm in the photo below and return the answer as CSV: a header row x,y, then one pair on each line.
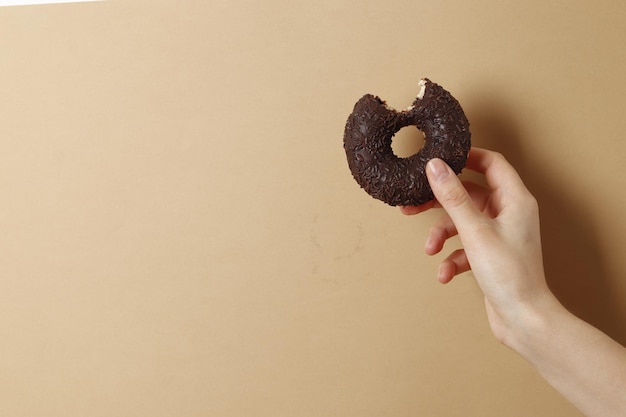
x,y
586,366
499,229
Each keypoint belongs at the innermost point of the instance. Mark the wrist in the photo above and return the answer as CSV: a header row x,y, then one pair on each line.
x,y
534,323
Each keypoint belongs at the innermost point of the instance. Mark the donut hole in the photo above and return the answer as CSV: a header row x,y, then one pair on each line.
x,y
407,142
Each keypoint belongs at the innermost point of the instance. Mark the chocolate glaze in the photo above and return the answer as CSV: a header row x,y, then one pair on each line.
x,y
402,181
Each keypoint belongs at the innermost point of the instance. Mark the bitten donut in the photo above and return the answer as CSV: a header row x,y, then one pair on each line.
x,y
402,181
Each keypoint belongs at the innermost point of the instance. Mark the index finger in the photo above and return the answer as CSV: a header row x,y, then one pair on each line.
x,y
497,170
412,210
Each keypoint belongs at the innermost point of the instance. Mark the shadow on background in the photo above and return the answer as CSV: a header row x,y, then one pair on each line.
x,y
575,268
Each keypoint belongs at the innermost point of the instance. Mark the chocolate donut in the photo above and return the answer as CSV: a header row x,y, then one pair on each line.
x,y
402,181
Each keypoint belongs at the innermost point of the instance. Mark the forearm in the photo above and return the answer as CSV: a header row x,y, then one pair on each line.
x,y
582,363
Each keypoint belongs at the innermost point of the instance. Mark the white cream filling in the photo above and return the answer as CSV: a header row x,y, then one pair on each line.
x,y
422,84
420,95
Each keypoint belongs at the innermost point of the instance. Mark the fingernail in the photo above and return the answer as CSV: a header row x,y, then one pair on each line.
x,y
441,273
428,245
437,168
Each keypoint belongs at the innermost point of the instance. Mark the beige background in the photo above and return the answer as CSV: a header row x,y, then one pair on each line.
x,y
181,235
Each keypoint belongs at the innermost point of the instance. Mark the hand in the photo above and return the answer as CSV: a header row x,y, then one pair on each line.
x,y
499,230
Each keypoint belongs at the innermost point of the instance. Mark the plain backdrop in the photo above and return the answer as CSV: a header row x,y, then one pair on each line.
x,y
180,234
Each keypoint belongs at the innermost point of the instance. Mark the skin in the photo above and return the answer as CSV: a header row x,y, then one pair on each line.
x,y
498,226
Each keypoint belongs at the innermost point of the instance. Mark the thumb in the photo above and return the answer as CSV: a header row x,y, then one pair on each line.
x,y
451,194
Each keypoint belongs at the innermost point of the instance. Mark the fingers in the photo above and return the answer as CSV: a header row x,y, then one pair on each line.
x,y
441,231
469,208
456,263
451,194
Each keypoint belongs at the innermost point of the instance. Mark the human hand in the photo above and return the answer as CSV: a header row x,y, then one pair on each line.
x,y
498,226
499,230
